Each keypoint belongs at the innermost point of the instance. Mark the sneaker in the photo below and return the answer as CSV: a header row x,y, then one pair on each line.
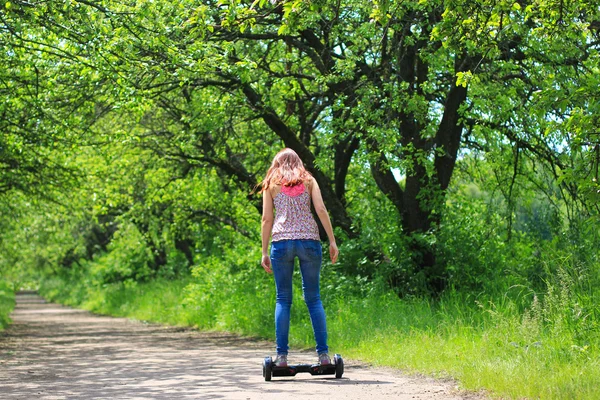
x,y
281,360
324,359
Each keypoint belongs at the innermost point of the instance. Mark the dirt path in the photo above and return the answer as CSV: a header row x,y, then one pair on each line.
x,y
56,352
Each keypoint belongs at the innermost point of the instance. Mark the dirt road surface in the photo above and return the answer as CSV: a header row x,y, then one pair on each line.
x,y
56,352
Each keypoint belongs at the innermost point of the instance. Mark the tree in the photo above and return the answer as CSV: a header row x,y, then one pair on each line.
x,y
398,88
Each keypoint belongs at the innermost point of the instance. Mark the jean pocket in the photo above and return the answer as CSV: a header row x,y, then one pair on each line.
x,y
279,250
313,248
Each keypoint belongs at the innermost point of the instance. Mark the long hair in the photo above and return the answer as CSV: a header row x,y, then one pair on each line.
x,y
286,170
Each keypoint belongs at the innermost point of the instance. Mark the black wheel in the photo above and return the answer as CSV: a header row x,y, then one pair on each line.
x,y
339,366
267,368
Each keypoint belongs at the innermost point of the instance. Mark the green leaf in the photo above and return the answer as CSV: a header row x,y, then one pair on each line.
x,y
463,78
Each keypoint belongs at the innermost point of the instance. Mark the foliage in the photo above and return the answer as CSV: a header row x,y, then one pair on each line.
x,y
401,90
7,303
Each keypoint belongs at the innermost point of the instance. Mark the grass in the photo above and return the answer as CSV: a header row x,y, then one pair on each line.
x,y
548,350
7,303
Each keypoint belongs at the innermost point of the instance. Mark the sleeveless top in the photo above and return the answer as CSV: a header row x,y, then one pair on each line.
x,y
293,219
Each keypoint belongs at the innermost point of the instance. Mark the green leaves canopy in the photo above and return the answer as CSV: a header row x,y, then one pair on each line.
x,y
401,91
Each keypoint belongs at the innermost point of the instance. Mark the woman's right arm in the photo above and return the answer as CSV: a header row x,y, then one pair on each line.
x,y
266,228
317,199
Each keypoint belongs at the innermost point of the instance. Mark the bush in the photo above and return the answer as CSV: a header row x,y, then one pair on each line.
x,y
128,258
7,303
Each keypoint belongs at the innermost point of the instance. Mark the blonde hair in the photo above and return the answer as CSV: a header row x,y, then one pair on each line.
x,y
286,170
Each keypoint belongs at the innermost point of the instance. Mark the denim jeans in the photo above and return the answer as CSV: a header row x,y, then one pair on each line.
x,y
309,253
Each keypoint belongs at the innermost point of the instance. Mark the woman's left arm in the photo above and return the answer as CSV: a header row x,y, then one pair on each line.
x,y
266,227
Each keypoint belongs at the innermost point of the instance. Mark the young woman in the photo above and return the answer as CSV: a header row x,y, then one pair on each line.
x,y
287,193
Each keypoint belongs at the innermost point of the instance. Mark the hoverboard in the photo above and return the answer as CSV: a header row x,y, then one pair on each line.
x,y
335,368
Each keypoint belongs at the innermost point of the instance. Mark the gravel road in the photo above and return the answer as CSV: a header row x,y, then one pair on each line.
x,y
55,352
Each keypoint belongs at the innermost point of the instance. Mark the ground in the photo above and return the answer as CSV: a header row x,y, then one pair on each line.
x,y
55,352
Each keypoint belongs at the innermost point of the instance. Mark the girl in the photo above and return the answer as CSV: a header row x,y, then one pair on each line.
x,y
289,188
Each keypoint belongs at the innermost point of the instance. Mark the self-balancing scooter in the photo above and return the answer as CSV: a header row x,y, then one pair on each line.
x,y
336,368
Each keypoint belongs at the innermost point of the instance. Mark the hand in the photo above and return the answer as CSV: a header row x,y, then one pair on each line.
x,y
333,252
266,263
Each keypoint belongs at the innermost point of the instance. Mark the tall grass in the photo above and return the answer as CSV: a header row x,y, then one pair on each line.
x,y
7,303
520,344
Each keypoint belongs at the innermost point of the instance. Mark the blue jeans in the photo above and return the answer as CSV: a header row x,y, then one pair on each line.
x,y
309,252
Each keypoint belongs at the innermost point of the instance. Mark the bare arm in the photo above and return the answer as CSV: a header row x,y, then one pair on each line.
x,y
266,227
317,199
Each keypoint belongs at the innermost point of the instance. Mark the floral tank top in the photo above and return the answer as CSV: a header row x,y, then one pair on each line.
x,y
293,219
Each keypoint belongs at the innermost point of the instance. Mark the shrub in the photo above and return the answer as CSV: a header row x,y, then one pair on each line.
x,y
7,303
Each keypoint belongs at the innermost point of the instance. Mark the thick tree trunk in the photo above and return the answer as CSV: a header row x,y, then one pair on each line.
x,y
423,190
344,150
